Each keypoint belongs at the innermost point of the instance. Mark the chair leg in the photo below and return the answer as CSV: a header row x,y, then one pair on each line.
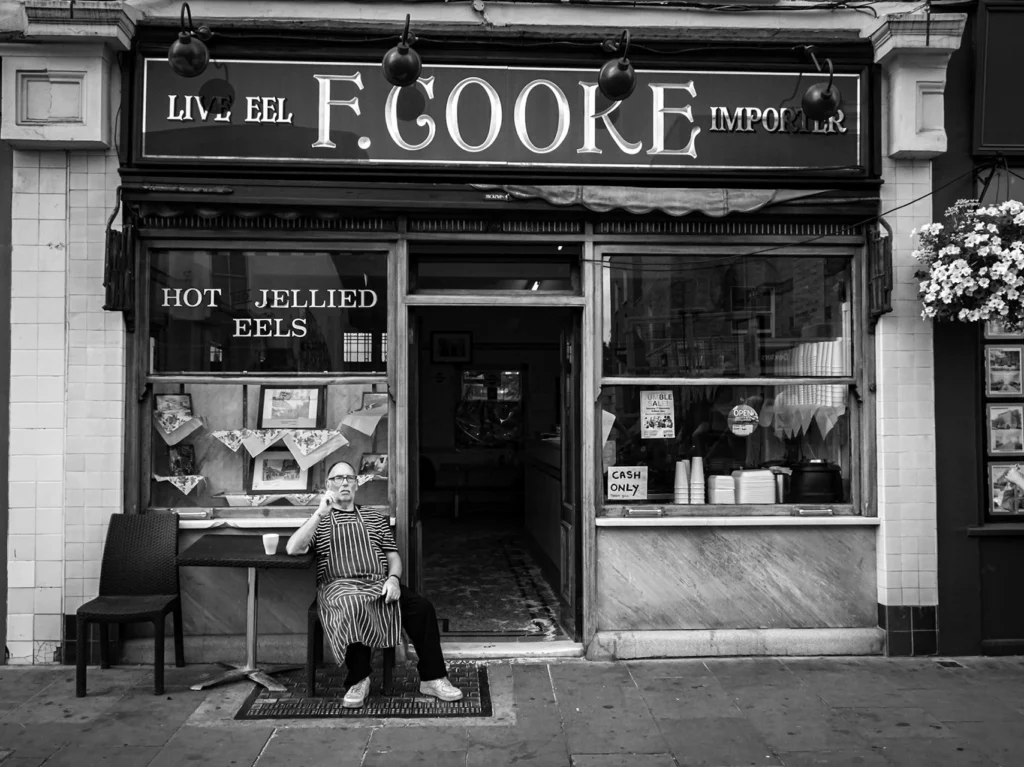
x,y
81,626
311,626
179,637
104,645
389,668
158,652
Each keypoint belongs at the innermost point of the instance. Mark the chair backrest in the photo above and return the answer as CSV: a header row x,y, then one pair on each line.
x,y
140,555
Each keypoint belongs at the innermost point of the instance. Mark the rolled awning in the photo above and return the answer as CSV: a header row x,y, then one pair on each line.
x,y
714,202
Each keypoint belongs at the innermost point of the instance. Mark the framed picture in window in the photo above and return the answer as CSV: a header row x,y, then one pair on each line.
x,y
1005,429
374,399
374,465
1006,488
1003,371
451,347
170,403
277,471
996,329
291,407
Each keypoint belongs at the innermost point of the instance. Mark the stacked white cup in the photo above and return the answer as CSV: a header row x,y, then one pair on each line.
x,y
697,480
682,484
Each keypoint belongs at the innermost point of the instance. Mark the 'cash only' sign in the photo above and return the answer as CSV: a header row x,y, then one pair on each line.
x,y
493,116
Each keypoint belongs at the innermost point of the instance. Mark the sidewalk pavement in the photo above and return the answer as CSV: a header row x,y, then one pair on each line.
x,y
798,712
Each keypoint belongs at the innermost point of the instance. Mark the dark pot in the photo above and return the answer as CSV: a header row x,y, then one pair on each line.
x,y
816,482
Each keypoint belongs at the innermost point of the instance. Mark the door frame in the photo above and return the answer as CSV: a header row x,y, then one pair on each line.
x,y
405,345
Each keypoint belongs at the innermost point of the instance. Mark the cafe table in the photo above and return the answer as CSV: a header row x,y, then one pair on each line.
x,y
217,550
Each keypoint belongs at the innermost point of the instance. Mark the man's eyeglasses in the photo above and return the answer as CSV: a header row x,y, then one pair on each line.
x,y
350,479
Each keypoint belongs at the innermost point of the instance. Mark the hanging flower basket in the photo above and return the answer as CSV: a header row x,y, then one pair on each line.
x,y
973,266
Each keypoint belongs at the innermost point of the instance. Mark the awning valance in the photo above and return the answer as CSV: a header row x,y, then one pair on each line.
x,y
714,202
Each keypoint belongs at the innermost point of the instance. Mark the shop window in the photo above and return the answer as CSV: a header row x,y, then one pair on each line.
x,y
221,445
727,382
281,311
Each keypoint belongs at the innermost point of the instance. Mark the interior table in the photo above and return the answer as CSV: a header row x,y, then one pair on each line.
x,y
216,550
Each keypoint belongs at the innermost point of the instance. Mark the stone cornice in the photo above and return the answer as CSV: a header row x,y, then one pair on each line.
x,y
938,35
80,21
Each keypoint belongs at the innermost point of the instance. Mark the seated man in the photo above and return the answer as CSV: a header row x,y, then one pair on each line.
x,y
361,599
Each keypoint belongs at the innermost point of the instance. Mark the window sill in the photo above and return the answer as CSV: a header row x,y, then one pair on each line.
x,y
749,521
672,510
1006,529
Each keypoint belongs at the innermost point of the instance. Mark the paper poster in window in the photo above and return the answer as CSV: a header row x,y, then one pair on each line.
x,y
657,415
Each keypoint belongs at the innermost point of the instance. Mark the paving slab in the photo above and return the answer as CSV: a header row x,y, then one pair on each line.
x,y
956,751
37,740
876,723
717,742
858,758
692,697
666,669
623,760
795,732
222,747
607,719
528,753
1003,745
737,673
120,756
314,748
56,702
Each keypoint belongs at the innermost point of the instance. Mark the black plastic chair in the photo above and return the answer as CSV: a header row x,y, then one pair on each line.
x,y
138,582
315,654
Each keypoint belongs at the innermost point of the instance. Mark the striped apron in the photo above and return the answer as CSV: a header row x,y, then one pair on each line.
x,y
349,588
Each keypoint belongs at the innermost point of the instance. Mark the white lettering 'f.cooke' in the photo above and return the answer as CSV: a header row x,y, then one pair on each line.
x,y
325,103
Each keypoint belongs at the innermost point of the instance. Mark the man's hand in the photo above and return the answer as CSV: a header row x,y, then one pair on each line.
x,y
391,590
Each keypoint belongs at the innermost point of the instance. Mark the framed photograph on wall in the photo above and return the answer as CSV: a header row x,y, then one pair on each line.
x,y
374,399
172,403
1006,488
451,347
1003,371
995,329
374,465
277,471
182,460
291,407
1005,429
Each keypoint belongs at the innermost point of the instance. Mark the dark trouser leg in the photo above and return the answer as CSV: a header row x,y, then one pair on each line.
x,y
420,622
357,661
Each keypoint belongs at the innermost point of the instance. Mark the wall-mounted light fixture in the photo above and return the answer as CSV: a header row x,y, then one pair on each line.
x,y
189,55
617,78
822,100
402,65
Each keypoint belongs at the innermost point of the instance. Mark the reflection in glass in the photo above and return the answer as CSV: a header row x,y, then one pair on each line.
x,y
795,425
720,316
282,311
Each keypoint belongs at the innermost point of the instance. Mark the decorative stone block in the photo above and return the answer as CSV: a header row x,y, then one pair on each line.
x,y
57,97
914,49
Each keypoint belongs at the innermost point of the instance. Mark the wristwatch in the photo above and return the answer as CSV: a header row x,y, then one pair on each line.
x,y
396,578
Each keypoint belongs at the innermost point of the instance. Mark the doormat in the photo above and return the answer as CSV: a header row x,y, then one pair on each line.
x,y
405,702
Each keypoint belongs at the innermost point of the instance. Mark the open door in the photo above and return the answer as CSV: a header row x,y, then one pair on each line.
x,y
570,590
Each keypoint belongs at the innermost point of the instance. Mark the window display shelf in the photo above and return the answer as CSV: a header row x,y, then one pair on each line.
x,y
752,521
670,510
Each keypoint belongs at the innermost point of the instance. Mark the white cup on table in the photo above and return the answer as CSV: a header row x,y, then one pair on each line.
x,y
270,541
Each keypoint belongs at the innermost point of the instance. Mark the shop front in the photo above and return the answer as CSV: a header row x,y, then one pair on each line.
x,y
614,369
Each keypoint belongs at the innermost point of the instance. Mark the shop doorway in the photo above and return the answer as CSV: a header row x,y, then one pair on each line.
x,y
494,454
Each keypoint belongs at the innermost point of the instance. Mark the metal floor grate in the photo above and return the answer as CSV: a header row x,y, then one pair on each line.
x,y
406,701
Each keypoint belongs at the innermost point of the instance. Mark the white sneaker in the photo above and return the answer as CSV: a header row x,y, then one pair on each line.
x,y
441,689
356,694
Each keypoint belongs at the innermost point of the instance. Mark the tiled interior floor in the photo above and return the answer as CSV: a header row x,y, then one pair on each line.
x,y
484,581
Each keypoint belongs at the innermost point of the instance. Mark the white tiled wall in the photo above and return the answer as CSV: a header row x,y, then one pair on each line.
x,y
906,553
67,374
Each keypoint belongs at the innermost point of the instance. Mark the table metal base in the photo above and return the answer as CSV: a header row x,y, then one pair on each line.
x,y
240,671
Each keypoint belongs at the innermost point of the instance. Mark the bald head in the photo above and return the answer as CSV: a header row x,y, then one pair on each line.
x,y
334,468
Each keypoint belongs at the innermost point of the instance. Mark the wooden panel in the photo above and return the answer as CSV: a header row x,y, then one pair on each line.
x,y
1002,571
717,578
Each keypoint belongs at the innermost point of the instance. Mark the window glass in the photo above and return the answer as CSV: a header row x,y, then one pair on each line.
x,y
798,432
203,436
282,311
534,268
717,316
